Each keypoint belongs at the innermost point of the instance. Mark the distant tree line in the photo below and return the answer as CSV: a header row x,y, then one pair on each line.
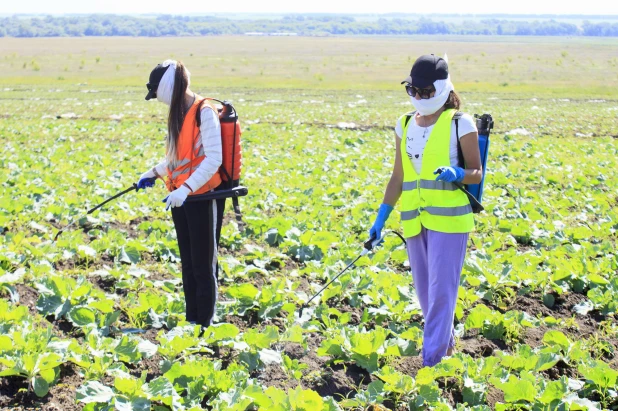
x,y
306,25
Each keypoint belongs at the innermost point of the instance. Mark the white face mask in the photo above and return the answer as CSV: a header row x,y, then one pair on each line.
x,y
429,106
166,85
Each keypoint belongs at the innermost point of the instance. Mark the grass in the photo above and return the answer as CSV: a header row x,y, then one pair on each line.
x,y
517,64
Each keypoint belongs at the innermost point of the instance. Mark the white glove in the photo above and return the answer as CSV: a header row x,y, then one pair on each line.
x,y
176,197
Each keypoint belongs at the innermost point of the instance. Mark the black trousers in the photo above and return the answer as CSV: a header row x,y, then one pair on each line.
x,y
198,227
220,211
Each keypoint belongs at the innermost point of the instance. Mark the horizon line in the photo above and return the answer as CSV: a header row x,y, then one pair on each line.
x,y
221,13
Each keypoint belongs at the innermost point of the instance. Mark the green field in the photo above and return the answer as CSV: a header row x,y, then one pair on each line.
x,y
538,66
536,317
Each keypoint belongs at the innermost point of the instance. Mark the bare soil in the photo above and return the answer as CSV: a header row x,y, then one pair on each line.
x,y
28,296
408,365
494,396
561,369
274,376
14,393
584,326
479,346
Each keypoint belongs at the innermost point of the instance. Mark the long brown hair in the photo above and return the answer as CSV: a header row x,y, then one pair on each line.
x,y
453,101
177,112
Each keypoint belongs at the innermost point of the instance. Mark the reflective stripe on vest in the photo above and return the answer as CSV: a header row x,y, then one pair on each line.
x,y
443,211
409,215
425,202
190,154
438,185
409,185
179,168
429,184
448,211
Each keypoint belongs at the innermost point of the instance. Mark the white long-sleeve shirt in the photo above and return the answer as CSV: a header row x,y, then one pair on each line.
x,y
210,139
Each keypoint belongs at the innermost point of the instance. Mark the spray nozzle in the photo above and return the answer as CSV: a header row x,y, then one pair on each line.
x,y
372,242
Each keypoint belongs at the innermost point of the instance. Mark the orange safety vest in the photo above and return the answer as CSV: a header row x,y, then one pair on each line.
x,y
190,154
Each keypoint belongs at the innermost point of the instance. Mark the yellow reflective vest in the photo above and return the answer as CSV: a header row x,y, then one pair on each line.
x,y
425,202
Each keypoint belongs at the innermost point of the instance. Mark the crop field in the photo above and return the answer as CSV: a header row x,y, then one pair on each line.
x,y
95,320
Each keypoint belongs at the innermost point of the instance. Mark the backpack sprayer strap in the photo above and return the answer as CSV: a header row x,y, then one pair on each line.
x,y
460,157
236,206
408,117
477,207
198,112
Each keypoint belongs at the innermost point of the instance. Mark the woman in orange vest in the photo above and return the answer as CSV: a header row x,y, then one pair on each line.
x,y
192,160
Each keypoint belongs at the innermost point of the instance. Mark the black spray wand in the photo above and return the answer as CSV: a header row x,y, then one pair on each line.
x,y
367,246
93,209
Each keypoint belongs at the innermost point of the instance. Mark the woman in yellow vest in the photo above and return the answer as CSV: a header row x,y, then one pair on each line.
x,y
191,164
435,214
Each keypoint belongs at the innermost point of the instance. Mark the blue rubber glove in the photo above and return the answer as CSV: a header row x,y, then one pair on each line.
x,y
378,225
146,180
450,174
143,183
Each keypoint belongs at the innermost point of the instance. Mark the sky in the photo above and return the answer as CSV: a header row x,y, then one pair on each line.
x,y
602,7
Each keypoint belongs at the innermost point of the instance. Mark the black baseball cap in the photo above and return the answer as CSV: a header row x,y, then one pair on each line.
x,y
426,70
155,78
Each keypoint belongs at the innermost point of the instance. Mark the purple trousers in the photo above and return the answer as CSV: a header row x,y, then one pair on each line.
x,y
436,260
